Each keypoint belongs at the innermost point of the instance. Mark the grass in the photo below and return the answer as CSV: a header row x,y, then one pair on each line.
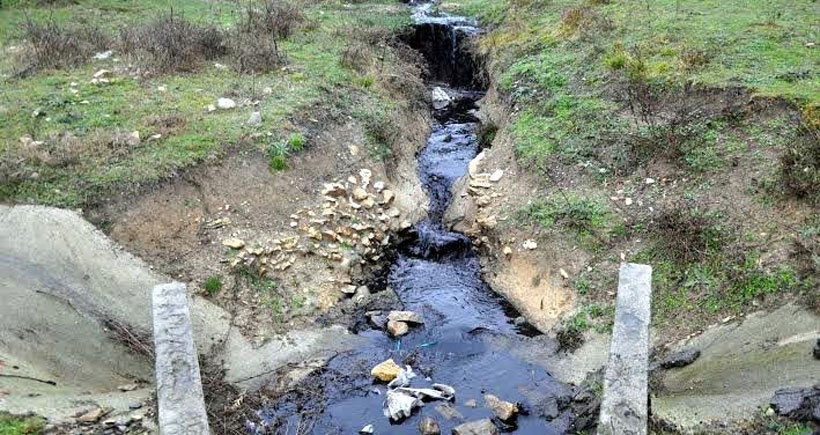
x,y
68,105
576,212
14,425
213,284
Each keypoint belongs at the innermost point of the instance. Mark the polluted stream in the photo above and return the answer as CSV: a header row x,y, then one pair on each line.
x,y
436,274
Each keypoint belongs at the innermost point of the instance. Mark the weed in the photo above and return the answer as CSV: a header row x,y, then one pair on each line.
x,y
297,142
278,163
486,134
298,301
255,54
213,284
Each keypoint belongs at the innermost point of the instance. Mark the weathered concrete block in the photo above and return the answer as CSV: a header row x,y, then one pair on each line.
x,y
179,386
624,405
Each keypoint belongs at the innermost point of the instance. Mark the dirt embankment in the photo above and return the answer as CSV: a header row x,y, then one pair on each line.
x,y
180,227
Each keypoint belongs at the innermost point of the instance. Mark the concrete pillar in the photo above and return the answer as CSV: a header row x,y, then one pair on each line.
x,y
624,405
179,386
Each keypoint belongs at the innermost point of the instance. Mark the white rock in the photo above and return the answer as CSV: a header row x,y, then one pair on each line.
x,y
101,73
103,55
474,164
650,181
367,429
440,98
267,91
530,244
255,120
496,176
225,103
628,201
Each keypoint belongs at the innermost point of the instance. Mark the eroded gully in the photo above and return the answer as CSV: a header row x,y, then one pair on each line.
x,y
436,274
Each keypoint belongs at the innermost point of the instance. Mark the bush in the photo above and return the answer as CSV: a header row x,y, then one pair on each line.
x,y
278,163
172,43
688,235
275,18
54,45
800,165
254,54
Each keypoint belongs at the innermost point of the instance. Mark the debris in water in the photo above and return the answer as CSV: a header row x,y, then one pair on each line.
x,y
402,379
430,393
399,405
386,371
367,429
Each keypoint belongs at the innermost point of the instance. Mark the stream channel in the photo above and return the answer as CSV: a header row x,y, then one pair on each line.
x,y
436,274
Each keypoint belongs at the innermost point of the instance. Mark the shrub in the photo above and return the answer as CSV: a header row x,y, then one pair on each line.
x,y
276,18
486,134
800,165
213,285
297,142
688,235
172,43
253,53
54,45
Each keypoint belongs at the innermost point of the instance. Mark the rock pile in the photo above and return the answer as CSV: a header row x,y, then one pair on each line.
x,y
351,227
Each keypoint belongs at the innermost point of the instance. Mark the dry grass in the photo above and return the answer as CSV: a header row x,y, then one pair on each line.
x,y
172,43
275,18
690,235
54,45
800,165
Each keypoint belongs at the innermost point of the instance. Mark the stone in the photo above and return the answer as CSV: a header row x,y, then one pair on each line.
x,y
507,251
816,350
378,320
225,104
234,243
369,429
479,427
448,411
471,403
628,201
365,175
128,387
387,197
502,409
397,329
378,186
180,402
681,358
101,73
624,403
429,426
359,194
103,55
440,98
361,292
255,120
406,317
796,403
472,167
349,289
496,176
386,371
530,245
92,416
334,189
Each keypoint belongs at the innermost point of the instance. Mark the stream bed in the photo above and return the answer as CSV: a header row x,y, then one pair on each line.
x,y
436,274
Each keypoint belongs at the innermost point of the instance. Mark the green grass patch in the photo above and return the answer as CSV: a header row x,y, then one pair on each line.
x,y
13,425
213,284
577,212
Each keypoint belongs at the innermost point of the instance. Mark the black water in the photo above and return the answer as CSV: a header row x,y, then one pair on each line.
x,y
437,274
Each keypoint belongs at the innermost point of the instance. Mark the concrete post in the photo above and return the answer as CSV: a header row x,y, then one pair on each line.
x,y
179,386
624,405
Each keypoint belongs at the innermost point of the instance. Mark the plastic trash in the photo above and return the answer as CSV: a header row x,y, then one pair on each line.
x,y
399,405
367,429
403,379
